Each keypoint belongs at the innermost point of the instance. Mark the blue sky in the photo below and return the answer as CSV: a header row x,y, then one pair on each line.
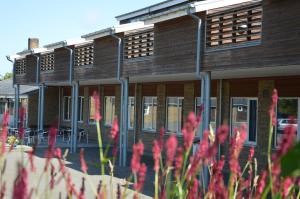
x,y
55,20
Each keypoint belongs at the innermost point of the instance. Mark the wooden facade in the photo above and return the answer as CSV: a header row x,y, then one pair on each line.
x,y
270,40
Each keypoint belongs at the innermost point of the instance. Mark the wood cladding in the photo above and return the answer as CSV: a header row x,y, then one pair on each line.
x,y
20,66
47,62
139,44
234,26
84,55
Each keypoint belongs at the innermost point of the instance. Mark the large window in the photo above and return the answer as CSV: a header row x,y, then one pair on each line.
x,y
174,114
213,110
109,110
287,113
244,111
131,112
149,113
67,108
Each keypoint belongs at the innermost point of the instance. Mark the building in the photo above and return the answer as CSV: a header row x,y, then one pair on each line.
x,y
7,100
164,60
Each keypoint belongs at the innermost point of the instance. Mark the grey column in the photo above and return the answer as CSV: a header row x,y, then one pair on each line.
x,y
124,122
42,112
74,119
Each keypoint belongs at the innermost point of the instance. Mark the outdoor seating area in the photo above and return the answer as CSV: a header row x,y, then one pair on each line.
x,y
33,136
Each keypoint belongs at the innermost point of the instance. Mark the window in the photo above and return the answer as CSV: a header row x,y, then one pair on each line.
x,y
47,62
139,44
80,108
131,112
84,55
67,108
234,27
174,114
109,110
287,110
149,113
20,66
213,111
244,111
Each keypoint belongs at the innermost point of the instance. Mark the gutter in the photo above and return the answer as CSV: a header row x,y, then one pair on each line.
x,y
37,68
71,51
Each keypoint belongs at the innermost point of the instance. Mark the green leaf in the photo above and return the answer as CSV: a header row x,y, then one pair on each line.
x,y
290,163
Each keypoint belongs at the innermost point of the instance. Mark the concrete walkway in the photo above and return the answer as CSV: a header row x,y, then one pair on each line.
x,y
73,165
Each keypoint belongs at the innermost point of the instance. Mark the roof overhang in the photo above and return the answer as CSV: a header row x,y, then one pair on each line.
x,y
149,9
65,43
114,30
191,8
31,51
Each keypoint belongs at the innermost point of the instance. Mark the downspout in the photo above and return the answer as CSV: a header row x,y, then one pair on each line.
x,y
73,85
203,78
124,105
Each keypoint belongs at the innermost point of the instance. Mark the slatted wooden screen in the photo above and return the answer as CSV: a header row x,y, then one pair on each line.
x,y
84,55
47,62
20,66
234,26
139,44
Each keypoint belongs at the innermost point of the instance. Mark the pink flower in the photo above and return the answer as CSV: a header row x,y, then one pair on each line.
x,y
286,142
156,155
52,174
138,150
222,134
31,160
178,161
161,137
273,107
84,166
20,190
261,184
251,154
193,190
5,121
141,178
171,146
114,133
96,98
287,183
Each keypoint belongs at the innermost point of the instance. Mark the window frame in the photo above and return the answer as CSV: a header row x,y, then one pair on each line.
x,y
179,127
143,128
104,111
247,143
130,98
90,122
298,121
69,112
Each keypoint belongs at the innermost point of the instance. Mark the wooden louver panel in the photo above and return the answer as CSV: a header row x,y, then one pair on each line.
x,y
234,27
139,44
47,62
20,66
84,55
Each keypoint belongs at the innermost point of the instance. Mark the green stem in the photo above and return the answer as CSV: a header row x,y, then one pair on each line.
x,y
100,147
156,185
298,195
266,191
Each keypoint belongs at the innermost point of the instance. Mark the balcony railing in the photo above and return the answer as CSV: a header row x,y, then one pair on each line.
x,y
234,27
139,44
47,62
84,55
20,66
